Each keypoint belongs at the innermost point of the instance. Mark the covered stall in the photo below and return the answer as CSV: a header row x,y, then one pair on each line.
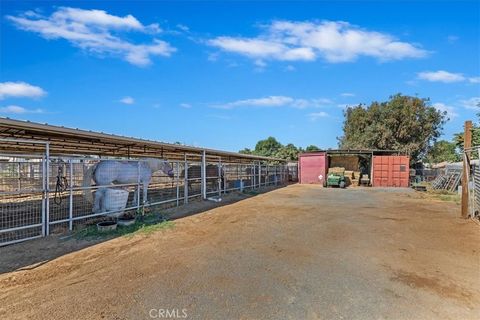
x,y
377,168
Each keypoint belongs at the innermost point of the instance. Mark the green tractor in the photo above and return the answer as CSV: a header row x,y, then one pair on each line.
x,y
336,177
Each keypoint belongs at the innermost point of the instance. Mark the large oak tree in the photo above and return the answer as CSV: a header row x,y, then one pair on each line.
x,y
403,123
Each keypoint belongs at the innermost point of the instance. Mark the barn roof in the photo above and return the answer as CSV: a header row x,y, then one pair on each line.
x,y
356,152
18,136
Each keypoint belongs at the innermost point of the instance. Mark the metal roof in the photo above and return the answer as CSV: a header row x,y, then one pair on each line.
x,y
70,141
355,151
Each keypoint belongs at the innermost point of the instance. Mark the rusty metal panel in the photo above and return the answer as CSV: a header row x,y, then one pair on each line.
x,y
312,168
391,171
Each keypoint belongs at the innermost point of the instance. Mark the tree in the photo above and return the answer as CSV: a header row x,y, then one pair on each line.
x,y
443,151
311,148
268,147
458,137
246,151
288,152
403,123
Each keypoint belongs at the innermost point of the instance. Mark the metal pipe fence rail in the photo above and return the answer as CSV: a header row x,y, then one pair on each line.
x,y
40,194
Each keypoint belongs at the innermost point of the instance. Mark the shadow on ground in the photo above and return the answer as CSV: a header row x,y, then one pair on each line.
x,y
32,254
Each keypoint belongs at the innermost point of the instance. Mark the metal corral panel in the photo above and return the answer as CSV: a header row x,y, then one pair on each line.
x,y
476,188
391,171
312,168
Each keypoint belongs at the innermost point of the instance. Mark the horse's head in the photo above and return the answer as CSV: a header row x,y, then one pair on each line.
x,y
167,168
161,164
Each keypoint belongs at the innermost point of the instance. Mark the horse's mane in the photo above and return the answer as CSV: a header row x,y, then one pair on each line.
x,y
154,163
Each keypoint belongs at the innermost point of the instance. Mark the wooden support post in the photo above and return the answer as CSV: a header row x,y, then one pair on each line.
x,y
467,144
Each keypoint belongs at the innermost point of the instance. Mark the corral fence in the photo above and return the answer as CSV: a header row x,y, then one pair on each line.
x,y
448,179
42,194
473,180
292,171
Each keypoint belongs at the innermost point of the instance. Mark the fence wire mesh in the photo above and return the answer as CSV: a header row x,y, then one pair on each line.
x,y
21,198
76,190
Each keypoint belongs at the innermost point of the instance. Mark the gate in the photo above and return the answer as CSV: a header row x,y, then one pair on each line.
x,y
23,196
474,181
476,191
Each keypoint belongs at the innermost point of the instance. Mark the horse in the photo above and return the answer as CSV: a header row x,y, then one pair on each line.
x,y
111,172
212,170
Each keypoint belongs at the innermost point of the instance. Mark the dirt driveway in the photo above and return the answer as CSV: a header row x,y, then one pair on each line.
x,y
300,252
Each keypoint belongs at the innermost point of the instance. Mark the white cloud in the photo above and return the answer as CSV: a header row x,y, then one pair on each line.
x,y
185,105
13,109
452,39
183,27
347,94
474,79
472,103
271,101
334,41
213,56
446,77
441,76
348,105
451,111
96,31
220,116
276,101
260,63
20,89
311,103
314,116
261,49
127,100
98,18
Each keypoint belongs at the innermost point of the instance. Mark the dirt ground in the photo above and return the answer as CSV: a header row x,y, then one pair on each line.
x,y
299,252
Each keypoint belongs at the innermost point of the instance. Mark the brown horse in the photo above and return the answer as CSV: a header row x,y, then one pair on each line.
x,y
212,171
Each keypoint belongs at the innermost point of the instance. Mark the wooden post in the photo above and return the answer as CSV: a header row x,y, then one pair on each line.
x,y
467,144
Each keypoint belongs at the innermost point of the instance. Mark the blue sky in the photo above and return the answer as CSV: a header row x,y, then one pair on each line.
x,y
224,75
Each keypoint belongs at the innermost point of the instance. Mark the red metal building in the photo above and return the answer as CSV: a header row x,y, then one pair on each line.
x,y
391,171
385,168
311,167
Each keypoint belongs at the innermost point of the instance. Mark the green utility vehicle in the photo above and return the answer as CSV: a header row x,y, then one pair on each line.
x,y
336,178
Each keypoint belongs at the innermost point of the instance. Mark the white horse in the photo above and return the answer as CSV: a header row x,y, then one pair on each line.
x,y
111,172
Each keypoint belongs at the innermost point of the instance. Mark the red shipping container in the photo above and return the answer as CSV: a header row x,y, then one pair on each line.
x,y
391,171
312,167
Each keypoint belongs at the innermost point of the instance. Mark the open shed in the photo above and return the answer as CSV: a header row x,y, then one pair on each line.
x,y
47,180
382,168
